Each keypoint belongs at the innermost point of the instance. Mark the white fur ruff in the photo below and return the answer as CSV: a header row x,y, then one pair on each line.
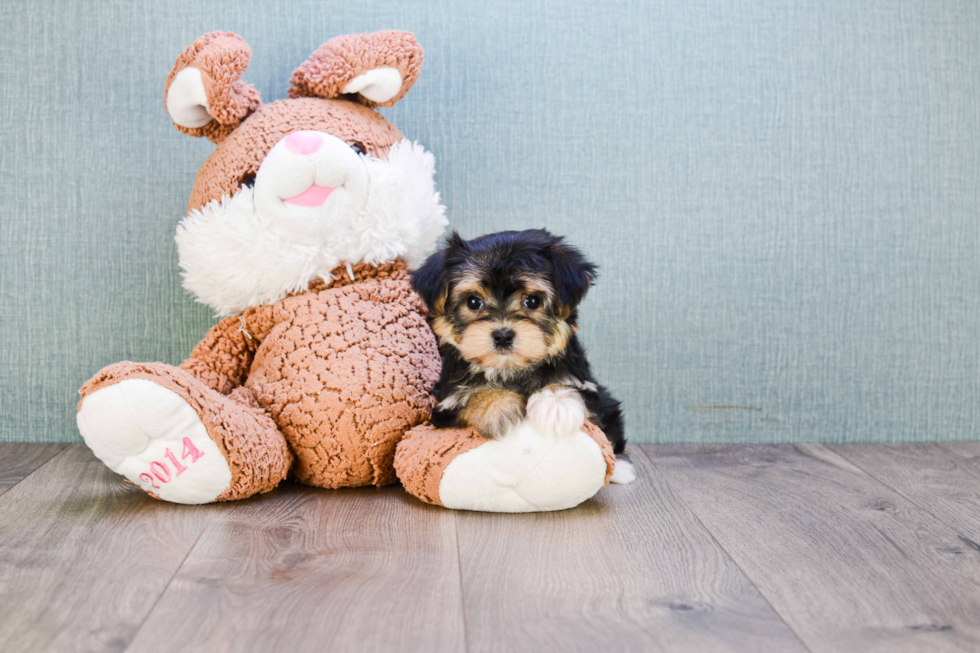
x,y
232,258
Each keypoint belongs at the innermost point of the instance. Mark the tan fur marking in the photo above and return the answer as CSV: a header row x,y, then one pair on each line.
x,y
540,285
443,330
563,334
476,345
440,306
493,412
468,285
529,343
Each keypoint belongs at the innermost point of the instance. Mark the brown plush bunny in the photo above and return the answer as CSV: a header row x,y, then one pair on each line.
x,y
299,227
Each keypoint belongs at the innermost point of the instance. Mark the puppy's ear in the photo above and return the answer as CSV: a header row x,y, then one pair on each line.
x,y
430,282
573,272
455,245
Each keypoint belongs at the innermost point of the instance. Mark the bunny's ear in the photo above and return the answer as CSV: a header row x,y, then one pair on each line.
x,y
204,95
374,69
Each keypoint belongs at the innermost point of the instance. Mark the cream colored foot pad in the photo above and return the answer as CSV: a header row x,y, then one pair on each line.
x,y
526,471
150,435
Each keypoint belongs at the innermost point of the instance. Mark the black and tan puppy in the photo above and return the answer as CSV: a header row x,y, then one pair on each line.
x,y
503,307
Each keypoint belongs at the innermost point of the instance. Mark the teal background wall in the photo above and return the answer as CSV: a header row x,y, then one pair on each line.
x,y
783,195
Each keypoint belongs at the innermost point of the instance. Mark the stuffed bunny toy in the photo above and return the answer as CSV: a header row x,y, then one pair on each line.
x,y
300,228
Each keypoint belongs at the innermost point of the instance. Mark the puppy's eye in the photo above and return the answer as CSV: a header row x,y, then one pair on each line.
x,y
357,147
531,302
474,303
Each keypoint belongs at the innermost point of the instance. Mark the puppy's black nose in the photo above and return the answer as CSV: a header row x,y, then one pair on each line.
x,y
503,338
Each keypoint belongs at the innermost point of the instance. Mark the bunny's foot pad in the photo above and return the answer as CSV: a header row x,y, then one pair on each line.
x,y
527,470
154,438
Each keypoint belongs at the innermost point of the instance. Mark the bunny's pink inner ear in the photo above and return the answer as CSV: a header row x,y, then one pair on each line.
x,y
204,95
375,69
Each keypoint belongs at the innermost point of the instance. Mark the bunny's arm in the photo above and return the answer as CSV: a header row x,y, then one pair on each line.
x,y
222,360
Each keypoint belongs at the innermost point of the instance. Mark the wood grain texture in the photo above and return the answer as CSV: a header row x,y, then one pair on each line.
x,y
84,556
17,460
846,561
969,451
715,548
317,570
941,478
631,569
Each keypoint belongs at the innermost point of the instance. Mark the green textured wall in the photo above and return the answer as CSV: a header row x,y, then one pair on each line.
x,y
783,195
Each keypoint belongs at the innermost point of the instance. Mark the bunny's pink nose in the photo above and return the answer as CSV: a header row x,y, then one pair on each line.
x,y
303,143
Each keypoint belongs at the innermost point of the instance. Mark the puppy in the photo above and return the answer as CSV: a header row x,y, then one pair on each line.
x,y
503,307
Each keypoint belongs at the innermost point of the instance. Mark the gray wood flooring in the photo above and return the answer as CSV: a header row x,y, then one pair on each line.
x,y
714,548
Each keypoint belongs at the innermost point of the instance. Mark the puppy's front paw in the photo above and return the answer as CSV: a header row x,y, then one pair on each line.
x,y
624,473
493,412
558,410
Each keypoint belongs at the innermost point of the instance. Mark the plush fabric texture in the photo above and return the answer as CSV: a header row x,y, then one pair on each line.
x,y
344,369
608,456
341,59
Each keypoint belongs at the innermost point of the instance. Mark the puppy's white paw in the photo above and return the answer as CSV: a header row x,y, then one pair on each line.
x,y
556,410
624,472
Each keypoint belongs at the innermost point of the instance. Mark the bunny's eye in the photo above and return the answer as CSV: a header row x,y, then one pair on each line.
x,y
357,147
248,180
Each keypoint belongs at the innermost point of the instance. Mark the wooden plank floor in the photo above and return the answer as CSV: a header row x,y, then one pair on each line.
x,y
18,460
714,548
849,563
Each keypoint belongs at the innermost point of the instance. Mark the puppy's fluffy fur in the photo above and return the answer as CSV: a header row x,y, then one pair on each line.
x,y
503,307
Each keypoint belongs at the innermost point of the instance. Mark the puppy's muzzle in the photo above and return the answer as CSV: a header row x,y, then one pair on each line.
x,y
503,338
